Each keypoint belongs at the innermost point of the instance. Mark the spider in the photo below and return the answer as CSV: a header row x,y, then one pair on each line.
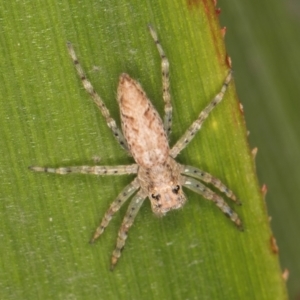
x,y
144,136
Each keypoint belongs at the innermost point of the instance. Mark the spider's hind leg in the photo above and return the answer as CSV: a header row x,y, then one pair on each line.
x,y
165,83
97,100
195,127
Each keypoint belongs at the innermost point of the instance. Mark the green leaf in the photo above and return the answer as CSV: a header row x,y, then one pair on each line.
x,y
263,40
48,119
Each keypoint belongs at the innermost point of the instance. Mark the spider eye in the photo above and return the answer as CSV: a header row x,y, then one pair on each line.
x,y
156,197
176,189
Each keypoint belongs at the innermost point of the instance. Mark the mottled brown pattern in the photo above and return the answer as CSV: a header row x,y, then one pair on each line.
x,y
145,137
141,124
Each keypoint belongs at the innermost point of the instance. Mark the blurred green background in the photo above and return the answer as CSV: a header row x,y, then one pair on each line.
x,y
263,40
38,108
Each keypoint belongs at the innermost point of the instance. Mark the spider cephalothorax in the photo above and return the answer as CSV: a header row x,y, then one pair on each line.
x,y
163,185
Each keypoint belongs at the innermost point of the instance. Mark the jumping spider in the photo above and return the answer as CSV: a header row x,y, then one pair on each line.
x,y
144,136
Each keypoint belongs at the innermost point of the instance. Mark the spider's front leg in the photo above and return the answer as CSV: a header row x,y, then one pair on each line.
x,y
128,220
208,178
201,189
126,193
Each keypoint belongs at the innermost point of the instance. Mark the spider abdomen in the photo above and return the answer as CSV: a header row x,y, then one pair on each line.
x,y
141,124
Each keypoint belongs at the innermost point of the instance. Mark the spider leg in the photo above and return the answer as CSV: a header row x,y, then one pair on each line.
x,y
97,99
96,170
128,220
195,127
165,83
114,207
208,178
201,189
